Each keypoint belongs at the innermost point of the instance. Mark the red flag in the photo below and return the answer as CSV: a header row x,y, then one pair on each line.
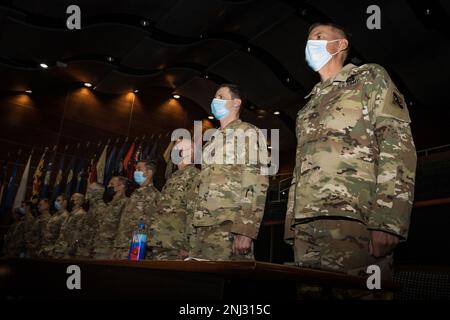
x,y
128,158
92,171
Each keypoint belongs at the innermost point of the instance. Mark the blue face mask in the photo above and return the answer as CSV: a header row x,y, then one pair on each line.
x,y
139,177
317,55
58,205
218,108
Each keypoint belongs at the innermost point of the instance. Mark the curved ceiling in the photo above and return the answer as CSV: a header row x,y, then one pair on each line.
x,y
192,46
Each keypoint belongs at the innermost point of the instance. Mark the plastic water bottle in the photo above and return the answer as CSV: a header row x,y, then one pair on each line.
x,y
138,244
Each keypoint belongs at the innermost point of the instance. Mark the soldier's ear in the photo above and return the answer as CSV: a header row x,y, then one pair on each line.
x,y
237,102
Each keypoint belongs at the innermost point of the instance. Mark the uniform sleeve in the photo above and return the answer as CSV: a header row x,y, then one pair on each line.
x,y
289,220
254,189
396,158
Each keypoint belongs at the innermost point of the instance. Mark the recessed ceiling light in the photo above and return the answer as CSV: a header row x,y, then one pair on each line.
x,y
176,96
260,117
87,84
43,65
210,117
144,23
136,91
276,113
28,91
110,59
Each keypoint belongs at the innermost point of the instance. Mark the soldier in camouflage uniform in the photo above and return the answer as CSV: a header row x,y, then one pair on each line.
x,y
140,208
53,227
168,233
36,235
84,237
65,245
14,244
109,211
353,183
231,189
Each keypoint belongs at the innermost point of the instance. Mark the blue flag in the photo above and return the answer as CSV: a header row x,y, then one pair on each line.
x,y
81,176
118,168
58,181
48,175
71,177
110,163
10,190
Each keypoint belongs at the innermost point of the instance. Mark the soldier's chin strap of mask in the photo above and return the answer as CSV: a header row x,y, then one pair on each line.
x,y
317,55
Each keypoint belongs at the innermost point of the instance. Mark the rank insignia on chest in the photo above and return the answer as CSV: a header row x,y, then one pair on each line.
x,y
349,82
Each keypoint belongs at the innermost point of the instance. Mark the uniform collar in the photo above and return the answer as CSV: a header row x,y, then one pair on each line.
x,y
232,124
342,76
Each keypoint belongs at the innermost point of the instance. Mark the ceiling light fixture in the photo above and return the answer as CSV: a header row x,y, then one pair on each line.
x,y
87,84
43,66
176,96
28,91
210,117
276,113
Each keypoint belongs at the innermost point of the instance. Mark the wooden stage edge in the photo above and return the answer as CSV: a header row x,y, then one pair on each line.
x,y
252,270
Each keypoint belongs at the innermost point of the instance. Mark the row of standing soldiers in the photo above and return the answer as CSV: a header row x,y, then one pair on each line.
x,y
176,226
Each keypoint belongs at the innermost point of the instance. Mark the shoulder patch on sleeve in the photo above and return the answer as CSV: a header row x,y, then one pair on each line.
x,y
395,105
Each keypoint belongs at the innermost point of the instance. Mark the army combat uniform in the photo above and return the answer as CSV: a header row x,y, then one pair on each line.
x,y
168,232
108,215
231,193
65,245
140,208
51,233
355,171
15,239
84,237
34,240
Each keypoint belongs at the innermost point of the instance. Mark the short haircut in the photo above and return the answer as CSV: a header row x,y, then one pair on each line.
x,y
236,93
338,29
44,199
63,196
150,164
124,181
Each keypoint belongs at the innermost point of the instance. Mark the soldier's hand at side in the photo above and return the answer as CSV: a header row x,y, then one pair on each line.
x,y
183,254
382,243
242,244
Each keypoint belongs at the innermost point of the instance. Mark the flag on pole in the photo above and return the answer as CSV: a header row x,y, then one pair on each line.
x,y
101,165
22,190
37,178
71,177
128,158
59,176
110,166
81,176
48,174
118,169
10,189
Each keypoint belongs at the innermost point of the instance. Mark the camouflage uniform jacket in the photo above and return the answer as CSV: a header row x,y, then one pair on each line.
x,y
65,242
15,238
85,236
52,230
108,215
232,188
36,235
140,207
168,230
355,155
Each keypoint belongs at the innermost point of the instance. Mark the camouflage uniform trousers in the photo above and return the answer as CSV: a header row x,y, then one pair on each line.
x,y
158,254
215,243
341,246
